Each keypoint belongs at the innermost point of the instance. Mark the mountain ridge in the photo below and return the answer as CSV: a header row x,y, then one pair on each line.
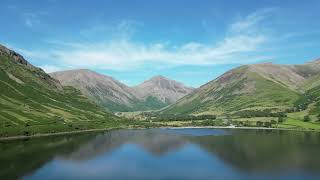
x,y
116,96
265,85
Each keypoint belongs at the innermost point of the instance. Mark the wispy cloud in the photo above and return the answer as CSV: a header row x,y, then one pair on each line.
x,y
30,19
243,40
117,30
253,23
33,18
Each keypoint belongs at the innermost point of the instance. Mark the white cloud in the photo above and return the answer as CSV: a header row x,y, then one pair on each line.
x,y
50,68
125,54
239,46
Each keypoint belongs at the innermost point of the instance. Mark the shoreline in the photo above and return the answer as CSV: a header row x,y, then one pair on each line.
x,y
163,127
245,128
53,134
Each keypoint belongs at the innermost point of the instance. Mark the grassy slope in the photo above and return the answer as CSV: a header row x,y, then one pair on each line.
x,y
31,102
217,97
315,106
310,101
150,103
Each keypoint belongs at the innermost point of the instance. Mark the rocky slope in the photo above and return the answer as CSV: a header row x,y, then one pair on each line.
x,y
104,90
166,90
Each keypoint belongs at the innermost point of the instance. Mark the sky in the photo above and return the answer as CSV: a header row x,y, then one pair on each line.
x,y
186,40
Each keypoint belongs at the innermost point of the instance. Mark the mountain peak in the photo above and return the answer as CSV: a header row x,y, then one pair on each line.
x,y
76,71
105,90
84,70
317,61
159,77
17,58
160,82
80,73
165,89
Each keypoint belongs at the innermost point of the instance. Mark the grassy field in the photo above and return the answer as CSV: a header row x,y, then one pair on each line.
x,y
292,121
299,124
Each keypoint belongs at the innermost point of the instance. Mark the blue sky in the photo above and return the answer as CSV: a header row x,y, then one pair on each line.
x,y
186,40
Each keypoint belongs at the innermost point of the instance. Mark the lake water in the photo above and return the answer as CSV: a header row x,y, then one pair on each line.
x,y
165,154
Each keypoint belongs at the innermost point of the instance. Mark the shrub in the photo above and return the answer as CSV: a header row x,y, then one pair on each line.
x,y
267,124
259,124
281,119
306,118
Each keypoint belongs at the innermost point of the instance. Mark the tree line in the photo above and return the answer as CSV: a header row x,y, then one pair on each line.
x,y
259,113
165,117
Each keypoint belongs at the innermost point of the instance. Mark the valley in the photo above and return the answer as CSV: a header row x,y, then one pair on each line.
x,y
257,95
159,90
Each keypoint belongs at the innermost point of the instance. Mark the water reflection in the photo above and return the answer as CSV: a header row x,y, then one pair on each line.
x,y
165,154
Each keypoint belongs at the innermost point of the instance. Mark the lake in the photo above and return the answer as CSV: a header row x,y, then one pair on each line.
x,y
165,154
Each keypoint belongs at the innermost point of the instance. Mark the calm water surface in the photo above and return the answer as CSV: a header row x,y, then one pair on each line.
x,y
165,154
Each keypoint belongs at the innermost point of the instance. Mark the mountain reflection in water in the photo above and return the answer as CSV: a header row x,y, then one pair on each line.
x,y
165,154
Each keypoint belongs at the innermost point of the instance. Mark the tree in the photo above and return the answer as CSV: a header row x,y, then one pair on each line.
x,y
267,124
281,119
318,117
259,124
306,118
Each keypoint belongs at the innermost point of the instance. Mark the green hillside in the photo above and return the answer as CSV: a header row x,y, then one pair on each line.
x,y
310,100
254,87
315,92
32,102
238,89
150,103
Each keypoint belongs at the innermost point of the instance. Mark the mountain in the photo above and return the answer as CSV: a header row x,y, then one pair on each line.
x,y
104,90
166,90
33,102
155,93
251,87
